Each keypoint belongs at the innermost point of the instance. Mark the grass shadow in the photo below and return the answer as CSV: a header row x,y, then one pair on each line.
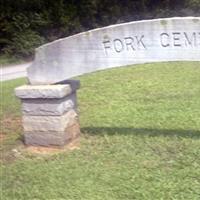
x,y
195,134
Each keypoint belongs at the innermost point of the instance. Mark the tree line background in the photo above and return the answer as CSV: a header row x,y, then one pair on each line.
x,y
26,24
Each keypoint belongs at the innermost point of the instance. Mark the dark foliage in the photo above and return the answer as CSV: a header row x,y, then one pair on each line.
x,y
26,24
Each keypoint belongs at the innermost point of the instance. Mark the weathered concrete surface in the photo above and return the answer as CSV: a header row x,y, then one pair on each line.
x,y
169,39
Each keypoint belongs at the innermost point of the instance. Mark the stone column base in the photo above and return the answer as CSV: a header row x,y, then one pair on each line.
x,y
50,115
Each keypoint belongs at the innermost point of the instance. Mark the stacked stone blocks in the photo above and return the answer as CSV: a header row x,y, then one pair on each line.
x,y
50,115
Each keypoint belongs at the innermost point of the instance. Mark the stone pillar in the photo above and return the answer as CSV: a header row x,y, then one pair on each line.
x,y
49,112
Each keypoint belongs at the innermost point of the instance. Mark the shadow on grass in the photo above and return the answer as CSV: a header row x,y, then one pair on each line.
x,y
141,131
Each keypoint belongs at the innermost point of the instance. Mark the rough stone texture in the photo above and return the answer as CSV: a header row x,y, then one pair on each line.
x,y
43,91
49,113
169,39
49,107
37,138
52,138
49,123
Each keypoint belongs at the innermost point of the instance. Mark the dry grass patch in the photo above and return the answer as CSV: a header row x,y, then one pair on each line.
x,y
10,124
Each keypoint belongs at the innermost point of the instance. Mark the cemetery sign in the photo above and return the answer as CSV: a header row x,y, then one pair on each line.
x,y
157,40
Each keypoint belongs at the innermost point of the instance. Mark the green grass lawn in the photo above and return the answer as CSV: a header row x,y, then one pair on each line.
x,y
140,139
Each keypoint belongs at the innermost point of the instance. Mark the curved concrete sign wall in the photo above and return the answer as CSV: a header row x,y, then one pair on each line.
x,y
169,39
